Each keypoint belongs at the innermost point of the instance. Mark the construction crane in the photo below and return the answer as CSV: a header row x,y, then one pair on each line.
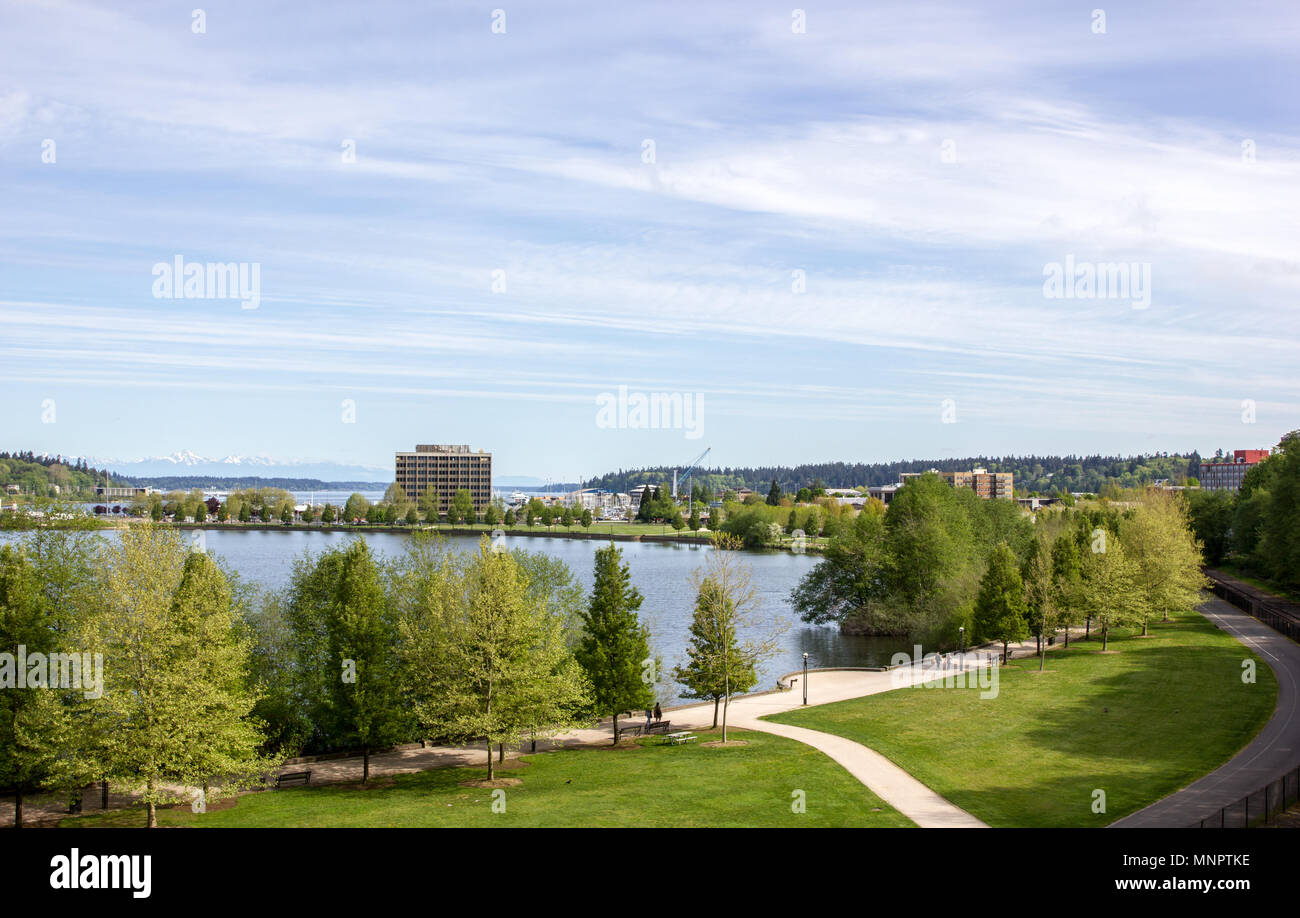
x,y
690,468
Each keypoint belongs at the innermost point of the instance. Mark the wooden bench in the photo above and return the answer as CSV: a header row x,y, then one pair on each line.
x,y
682,737
660,725
291,778
635,730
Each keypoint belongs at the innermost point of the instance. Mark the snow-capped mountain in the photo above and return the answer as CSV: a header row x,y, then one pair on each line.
x,y
188,462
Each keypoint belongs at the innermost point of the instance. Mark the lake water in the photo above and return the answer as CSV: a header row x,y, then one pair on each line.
x,y
660,571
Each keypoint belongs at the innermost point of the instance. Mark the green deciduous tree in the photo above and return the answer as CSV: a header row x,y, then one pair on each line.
x,y
489,655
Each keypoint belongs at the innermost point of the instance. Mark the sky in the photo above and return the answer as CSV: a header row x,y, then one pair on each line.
x,y
831,230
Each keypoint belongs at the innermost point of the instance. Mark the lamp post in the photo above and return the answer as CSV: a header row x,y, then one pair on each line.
x,y
962,630
805,678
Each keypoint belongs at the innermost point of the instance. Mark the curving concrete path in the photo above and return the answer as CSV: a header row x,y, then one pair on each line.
x,y
885,779
1275,750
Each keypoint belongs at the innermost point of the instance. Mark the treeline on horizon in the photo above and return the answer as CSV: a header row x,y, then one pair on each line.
x,y
1033,474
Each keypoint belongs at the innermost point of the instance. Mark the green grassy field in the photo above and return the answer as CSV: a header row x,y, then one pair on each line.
x,y
1137,724
649,784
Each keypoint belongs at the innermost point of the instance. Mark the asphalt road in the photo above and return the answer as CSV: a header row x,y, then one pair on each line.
x,y
1275,750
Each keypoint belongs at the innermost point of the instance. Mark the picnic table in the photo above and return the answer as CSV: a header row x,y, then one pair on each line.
x,y
684,736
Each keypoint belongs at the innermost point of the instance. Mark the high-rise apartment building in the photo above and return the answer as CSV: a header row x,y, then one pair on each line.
x,y
446,469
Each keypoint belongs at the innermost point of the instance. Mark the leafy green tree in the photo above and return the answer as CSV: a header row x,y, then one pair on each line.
x,y
1165,555
774,495
412,516
327,514
717,666
36,728
510,518
491,514
245,513
1211,517
1110,590
462,506
224,736
614,650
267,512
286,514
375,514
848,584
586,518
490,656
694,522
347,639
429,504
566,518
200,514
393,514
1000,610
309,515
223,513
156,512
154,691
395,494
1279,548
356,508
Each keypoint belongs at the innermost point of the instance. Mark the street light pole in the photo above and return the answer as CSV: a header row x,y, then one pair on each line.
x,y
805,678
962,630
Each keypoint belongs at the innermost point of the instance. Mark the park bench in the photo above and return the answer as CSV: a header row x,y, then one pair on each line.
x,y
660,725
291,778
682,737
635,730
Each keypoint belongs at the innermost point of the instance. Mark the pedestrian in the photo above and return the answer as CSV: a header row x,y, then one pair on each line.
x,y
648,714
659,714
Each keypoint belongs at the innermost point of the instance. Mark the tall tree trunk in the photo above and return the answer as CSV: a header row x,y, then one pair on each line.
x,y
103,794
151,807
1087,628
365,764
1144,627
1105,634
489,748
1067,635
501,752
716,700
18,810
615,728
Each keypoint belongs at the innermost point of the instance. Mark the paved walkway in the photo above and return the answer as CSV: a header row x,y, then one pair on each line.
x,y
1275,750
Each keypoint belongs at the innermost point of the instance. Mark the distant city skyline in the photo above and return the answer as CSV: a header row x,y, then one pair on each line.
x,y
874,234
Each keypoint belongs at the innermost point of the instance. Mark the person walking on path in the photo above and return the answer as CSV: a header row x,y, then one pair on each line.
x,y
659,714
648,714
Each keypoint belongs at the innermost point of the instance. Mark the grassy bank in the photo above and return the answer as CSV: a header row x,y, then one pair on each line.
x,y
649,784
1138,724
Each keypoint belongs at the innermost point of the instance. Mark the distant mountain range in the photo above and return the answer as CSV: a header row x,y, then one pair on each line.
x,y
189,464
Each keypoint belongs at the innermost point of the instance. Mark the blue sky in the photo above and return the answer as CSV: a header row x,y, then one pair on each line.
x,y
921,164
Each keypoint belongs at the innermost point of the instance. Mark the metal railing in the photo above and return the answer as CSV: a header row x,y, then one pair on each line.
x,y
1259,807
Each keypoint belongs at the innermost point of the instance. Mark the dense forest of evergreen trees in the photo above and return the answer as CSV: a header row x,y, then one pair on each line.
x,y
1033,474
37,475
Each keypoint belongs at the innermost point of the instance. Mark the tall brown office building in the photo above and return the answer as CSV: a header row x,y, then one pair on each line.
x,y
447,469
986,484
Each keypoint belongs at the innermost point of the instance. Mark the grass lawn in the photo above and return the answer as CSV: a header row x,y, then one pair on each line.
x,y
1138,724
646,785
